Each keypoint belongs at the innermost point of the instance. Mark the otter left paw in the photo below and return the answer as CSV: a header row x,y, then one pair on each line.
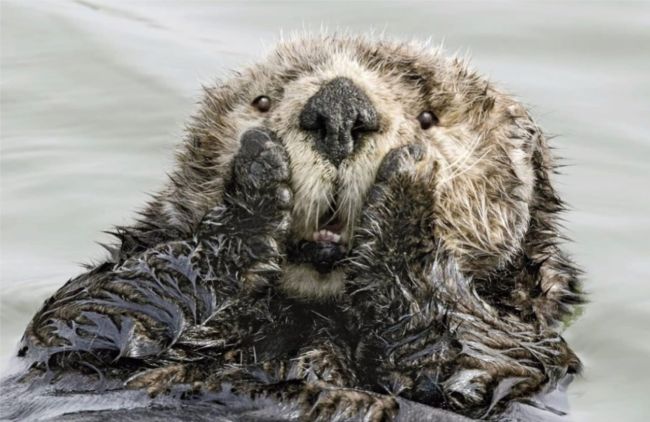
x,y
397,221
399,162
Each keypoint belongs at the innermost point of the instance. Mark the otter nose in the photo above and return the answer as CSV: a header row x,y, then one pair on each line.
x,y
339,113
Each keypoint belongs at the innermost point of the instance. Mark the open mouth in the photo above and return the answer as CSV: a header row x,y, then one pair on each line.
x,y
326,247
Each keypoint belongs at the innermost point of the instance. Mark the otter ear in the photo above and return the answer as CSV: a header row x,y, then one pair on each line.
x,y
547,284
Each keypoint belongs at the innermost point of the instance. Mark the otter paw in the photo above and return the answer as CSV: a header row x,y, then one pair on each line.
x,y
404,180
261,167
248,230
397,220
346,404
400,161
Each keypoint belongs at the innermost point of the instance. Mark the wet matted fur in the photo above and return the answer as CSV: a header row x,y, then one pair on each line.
x,y
451,288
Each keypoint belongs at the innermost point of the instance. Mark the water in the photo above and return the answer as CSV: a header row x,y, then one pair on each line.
x,y
94,96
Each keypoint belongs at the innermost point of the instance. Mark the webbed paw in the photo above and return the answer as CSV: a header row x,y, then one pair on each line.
x,y
397,221
261,167
248,231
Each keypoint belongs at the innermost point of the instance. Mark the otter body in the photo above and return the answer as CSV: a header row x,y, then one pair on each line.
x,y
351,223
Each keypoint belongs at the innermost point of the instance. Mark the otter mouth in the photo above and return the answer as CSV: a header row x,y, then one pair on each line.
x,y
326,249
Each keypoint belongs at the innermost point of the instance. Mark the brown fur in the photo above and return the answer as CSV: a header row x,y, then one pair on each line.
x,y
495,202
462,254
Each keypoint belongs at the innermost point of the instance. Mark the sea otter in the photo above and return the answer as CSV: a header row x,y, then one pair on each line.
x,y
350,222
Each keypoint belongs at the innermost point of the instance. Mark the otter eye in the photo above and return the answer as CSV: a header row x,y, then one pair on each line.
x,y
427,119
262,103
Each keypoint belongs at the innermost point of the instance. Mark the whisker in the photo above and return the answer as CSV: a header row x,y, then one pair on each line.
x,y
465,170
463,158
308,216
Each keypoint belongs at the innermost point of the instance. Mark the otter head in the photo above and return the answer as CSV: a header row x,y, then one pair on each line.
x,y
339,105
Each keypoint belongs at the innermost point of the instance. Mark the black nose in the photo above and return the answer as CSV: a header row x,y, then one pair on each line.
x,y
340,113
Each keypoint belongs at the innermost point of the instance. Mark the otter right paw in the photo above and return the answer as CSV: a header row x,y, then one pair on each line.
x,y
258,192
261,167
248,231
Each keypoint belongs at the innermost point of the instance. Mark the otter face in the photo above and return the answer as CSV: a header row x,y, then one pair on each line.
x,y
340,105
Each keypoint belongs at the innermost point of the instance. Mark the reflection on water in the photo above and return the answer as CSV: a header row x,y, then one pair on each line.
x,y
94,95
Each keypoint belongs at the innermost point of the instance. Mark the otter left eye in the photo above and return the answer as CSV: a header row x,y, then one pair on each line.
x,y
427,119
262,103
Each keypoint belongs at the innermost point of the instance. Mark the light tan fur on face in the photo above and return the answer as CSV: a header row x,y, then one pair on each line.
x,y
483,143
315,180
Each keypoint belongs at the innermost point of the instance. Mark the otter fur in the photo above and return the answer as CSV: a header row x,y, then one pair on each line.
x,y
350,222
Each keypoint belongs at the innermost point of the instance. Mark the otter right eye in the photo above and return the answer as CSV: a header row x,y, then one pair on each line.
x,y
262,103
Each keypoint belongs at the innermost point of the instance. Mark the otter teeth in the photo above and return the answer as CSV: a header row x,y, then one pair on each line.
x,y
326,236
